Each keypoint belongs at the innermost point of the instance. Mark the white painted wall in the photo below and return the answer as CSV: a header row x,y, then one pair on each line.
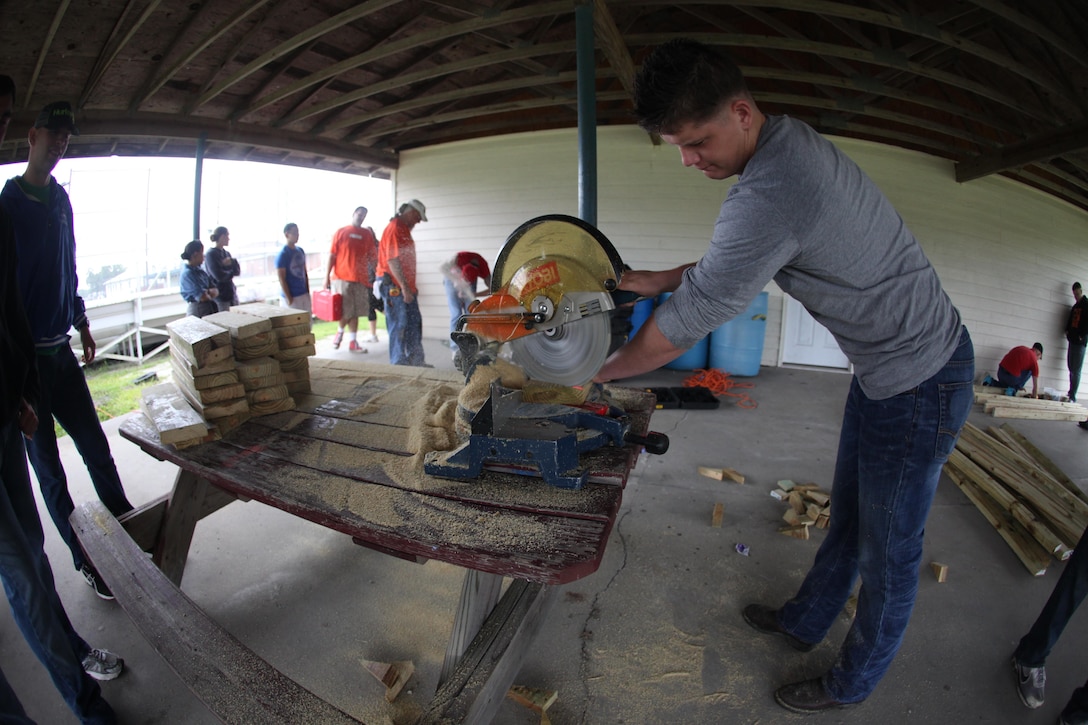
x,y
1007,254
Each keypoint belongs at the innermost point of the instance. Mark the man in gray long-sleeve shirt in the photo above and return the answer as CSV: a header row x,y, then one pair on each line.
x,y
804,215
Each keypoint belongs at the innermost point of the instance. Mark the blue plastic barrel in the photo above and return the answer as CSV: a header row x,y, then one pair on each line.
x,y
737,346
696,356
639,314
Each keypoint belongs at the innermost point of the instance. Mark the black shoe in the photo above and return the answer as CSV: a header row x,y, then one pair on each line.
x,y
806,697
95,580
765,620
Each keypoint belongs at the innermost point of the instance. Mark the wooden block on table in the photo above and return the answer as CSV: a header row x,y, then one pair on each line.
x,y
240,325
202,382
225,424
170,413
264,381
214,410
716,517
287,343
292,330
278,316
261,339
299,386
212,435
295,353
216,394
186,367
939,570
266,348
296,364
266,395
257,368
195,338
272,406
296,376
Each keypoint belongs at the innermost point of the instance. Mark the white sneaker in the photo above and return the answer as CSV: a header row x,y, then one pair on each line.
x,y
103,665
372,338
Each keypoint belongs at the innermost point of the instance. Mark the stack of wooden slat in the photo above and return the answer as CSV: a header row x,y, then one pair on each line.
x,y
264,384
809,505
1037,509
999,405
296,342
172,415
203,362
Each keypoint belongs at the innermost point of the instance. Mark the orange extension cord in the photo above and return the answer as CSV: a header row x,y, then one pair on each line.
x,y
720,382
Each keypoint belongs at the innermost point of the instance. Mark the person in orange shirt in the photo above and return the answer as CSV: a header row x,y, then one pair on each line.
x,y
397,274
350,258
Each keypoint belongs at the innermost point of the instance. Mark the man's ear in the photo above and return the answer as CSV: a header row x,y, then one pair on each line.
x,y
32,136
741,107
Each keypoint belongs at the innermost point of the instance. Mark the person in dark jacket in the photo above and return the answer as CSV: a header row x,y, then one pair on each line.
x,y
222,268
24,567
1076,332
41,216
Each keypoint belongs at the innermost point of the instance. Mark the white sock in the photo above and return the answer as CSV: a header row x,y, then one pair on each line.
x,y
351,336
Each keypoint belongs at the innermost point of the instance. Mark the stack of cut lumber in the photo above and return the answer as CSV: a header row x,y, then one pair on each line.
x,y
265,389
1037,509
203,362
175,420
296,342
808,505
999,405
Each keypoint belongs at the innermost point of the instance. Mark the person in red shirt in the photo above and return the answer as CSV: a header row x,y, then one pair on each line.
x,y
1016,367
462,273
350,258
397,274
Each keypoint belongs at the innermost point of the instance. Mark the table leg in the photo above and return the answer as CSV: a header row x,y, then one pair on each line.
x,y
479,593
188,504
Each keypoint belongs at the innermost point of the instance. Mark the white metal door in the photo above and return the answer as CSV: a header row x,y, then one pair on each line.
x,y
806,342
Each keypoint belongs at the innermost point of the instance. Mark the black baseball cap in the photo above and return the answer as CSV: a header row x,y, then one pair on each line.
x,y
57,115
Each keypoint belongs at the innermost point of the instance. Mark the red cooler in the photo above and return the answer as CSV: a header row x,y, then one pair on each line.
x,y
328,305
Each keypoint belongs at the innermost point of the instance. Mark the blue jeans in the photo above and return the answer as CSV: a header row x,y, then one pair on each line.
x,y
1008,380
28,582
405,325
64,395
457,305
1068,594
889,461
1074,359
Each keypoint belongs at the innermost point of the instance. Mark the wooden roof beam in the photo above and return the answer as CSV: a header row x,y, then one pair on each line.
x,y
58,17
1062,141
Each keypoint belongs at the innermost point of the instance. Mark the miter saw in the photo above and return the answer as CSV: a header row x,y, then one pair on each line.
x,y
554,287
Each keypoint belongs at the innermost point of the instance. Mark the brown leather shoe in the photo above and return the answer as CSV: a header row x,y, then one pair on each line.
x,y
765,620
807,697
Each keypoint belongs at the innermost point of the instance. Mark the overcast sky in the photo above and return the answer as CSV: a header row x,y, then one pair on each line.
x,y
128,207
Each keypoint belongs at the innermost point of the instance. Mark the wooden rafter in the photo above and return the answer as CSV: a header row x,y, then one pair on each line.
x,y
164,74
113,46
43,51
316,31
1040,148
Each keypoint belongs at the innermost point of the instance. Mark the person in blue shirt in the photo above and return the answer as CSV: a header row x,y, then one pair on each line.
x,y
291,268
197,287
41,215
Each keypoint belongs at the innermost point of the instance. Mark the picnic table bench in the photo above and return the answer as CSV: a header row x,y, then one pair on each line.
x,y
345,457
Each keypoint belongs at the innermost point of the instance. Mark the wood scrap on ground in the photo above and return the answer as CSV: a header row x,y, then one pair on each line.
x,y
720,474
809,505
393,675
535,699
940,571
716,517
1035,508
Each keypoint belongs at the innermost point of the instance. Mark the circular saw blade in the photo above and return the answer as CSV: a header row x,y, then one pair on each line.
x,y
569,354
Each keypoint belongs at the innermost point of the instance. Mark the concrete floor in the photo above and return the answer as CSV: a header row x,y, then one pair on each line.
x,y
655,636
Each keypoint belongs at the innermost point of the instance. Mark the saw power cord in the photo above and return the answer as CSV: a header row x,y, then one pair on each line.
x,y
721,383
